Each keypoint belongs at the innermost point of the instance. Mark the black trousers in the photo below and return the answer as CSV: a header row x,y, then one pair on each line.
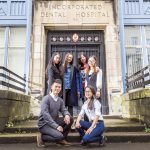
x,y
70,108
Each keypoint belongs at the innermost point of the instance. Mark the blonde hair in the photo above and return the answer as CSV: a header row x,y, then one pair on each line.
x,y
89,68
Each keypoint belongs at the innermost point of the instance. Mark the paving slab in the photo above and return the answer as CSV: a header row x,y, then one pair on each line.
x,y
76,146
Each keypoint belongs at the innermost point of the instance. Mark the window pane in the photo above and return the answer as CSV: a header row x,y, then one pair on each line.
x,y
16,50
148,51
2,45
16,38
132,36
133,45
147,31
134,60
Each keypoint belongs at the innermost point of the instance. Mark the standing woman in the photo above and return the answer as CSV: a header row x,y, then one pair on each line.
x,y
94,76
92,130
83,64
54,70
71,83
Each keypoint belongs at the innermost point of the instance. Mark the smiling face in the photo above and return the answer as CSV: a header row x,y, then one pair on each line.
x,y
88,93
56,88
91,62
83,59
69,58
56,59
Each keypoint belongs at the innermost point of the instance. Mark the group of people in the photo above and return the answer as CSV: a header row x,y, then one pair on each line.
x,y
66,85
74,79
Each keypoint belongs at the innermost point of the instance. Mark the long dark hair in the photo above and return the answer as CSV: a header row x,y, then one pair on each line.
x,y
52,64
91,102
81,65
65,61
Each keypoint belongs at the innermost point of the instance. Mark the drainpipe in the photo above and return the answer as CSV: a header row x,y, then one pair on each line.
x,y
122,43
28,43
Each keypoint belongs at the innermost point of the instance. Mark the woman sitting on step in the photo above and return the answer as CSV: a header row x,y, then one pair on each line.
x,y
92,130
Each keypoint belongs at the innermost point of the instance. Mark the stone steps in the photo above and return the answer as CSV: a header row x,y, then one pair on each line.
x,y
112,137
117,130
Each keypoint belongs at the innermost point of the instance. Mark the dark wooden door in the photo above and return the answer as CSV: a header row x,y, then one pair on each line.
x,y
89,42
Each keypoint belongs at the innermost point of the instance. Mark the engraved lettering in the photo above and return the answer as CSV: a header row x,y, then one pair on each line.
x,y
2,12
50,9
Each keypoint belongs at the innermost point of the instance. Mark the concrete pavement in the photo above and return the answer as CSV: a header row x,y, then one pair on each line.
x,y
113,146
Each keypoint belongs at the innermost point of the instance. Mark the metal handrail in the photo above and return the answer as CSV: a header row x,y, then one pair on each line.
x,y
10,79
9,71
139,79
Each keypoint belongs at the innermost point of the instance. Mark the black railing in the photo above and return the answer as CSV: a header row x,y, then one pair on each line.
x,y
140,79
11,80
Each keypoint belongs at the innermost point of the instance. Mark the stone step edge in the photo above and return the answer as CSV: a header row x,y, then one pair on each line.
x,y
3,135
111,138
108,129
107,126
104,116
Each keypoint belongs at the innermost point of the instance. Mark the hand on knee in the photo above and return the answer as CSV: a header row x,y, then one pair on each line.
x,y
78,125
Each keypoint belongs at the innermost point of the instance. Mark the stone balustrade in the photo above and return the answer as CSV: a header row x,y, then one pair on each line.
x,y
13,107
136,105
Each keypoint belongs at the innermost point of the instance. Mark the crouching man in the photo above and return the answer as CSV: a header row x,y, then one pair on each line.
x,y
52,127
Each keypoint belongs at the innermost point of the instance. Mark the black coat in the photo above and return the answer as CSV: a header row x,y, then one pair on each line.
x,y
53,73
73,95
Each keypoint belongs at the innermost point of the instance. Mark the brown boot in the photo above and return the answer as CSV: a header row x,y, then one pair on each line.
x,y
64,142
40,142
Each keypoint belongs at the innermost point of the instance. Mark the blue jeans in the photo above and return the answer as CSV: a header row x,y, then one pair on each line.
x,y
95,135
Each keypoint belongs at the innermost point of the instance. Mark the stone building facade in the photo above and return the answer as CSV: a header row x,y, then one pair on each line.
x,y
72,17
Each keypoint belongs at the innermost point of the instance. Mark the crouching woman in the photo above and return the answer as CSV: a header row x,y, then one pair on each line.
x,y
92,130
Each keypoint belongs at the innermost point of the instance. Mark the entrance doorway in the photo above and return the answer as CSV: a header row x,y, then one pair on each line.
x,y
89,42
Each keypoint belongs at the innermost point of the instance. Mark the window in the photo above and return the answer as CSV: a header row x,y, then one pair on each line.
x,y
2,45
132,7
134,60
132,36
147,32
133,45
134,40
148,41
16,50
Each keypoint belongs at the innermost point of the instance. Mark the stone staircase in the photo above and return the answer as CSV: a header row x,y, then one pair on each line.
x,y
117,130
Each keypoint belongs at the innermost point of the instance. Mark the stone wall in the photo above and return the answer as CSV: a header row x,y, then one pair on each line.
x,y
13,106
136,105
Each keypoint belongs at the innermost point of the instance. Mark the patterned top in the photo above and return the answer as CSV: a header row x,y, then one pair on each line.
x,y
67,77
